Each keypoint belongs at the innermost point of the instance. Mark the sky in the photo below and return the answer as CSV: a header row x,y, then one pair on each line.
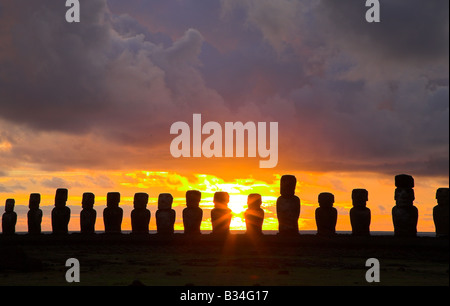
x,y
88,106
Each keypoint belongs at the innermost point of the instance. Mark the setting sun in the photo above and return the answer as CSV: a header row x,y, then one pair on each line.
x,y
238,204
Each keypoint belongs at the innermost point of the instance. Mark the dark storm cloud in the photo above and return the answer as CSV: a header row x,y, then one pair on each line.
x,y
348,95
102,72
409,30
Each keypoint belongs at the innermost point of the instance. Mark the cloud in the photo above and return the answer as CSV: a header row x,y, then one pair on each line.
x,y
85,76
408,31
348,95
11,187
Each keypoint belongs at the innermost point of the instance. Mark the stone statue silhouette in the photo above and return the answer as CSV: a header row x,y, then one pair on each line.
x,y
221,214
440,212
60,213
254,215
9,218
192,214
404,214
326,215
113,214
140,215
88,214
288,206
165,215
360,215
34,215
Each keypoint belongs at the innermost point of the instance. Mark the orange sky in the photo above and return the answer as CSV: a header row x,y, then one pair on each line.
x,y
309,185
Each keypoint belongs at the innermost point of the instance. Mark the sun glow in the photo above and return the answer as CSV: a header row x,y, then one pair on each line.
x,y
238,204
17,185
5,146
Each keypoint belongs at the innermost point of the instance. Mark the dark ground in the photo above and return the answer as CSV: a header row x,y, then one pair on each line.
x,y
271,260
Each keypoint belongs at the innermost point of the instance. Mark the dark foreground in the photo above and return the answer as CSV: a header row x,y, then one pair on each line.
x,y
237,260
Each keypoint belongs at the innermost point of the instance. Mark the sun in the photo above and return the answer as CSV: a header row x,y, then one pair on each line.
x,y
238,204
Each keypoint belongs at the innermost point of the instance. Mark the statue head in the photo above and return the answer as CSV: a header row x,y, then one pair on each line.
x,y
404,196
326,199
404,181
35,200
193,198
9,205
442,196
88,200
360,197
221,199
165,201
112,199
61,197
254,201
140,200
287,185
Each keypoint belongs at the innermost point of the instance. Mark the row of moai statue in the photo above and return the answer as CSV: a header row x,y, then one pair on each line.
x,y
404,213
140,216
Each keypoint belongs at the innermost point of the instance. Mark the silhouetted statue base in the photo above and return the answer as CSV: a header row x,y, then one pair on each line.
x,y
360,215
192,214
326,215
221,214
360,218
88,215
326,221
113,214
288,207
405,221
140,215
60,213
140,220
9,218
60,220
441,213
192,219
165,215
254,215
254,219
221,220
404,214
288,212
34,215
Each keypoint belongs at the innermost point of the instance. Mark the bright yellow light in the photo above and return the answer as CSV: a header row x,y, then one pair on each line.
x,y
238,203
237,223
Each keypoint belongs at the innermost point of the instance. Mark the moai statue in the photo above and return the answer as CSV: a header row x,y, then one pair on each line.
x,y
192,214
221,214
34,215
440,212
288,206
113,214
60,213
404,214
360,215
88,215
9,218
326,215
254,215
140,215
165,215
